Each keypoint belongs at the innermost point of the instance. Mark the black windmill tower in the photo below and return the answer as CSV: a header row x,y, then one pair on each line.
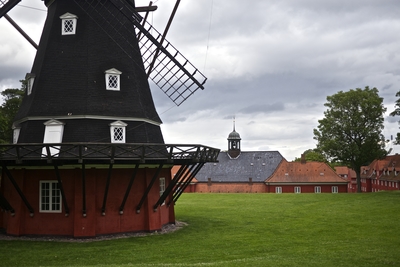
x,y
92,73
88,99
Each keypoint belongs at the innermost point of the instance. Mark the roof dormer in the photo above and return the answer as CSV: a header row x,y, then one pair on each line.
x,y
68,24
113,80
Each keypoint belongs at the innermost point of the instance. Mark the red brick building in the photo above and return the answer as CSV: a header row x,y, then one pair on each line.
x,y
240,171
237,171
349,175
305,177
381,175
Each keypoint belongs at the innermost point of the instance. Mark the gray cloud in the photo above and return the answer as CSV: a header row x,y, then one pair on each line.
x,y
263,108
271,65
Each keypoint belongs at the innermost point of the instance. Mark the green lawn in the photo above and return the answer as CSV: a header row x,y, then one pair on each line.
x,y
245,230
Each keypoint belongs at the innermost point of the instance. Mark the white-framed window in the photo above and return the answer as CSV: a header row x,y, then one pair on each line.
x,y
278,190
53,133
113,79
68,24
335,189
30,79
162,186
50,197
118,132
317,189
16,131
297,189
397,185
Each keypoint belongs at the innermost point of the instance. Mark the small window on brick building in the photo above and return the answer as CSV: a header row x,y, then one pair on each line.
x,y
68,24
317,189
162,186
278,190
297,189
113,79
335,189
50,197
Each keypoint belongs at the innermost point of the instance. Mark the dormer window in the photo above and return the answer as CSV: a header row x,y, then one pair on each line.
x,y
68,24
118,132
113,80
53,133
30,79
16,131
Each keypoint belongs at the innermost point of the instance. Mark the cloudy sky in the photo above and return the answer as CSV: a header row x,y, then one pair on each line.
x,y
270,64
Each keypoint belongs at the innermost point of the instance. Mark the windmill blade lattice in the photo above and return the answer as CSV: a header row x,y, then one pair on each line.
x,y
172,72
7,5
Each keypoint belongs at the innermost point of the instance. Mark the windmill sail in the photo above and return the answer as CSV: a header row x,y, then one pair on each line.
x,y
7,5
172,72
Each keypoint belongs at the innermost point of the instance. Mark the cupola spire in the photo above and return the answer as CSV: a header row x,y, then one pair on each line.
x,y
234,142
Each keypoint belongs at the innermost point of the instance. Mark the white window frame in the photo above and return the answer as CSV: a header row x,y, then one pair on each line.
x,y
53,133
278,189
116,74
68,18
53,197
297,189
335,189
16,131
162,185
114,127
317,189
30,79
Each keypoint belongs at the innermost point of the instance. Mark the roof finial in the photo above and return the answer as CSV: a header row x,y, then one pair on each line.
x,y
234,124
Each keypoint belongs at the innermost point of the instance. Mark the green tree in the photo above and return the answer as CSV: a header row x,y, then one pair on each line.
x,y
316,155
12,99
313,155
396,112
351,131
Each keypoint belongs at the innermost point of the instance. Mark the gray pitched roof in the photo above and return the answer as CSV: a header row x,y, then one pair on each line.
x,y
258,165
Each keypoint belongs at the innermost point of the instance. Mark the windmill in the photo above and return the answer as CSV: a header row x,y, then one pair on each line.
x,y
87,132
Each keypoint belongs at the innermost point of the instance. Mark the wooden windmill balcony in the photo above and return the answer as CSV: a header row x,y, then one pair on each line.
x,y
105,153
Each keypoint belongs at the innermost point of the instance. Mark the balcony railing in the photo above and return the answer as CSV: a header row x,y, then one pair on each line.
x,y
72,153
